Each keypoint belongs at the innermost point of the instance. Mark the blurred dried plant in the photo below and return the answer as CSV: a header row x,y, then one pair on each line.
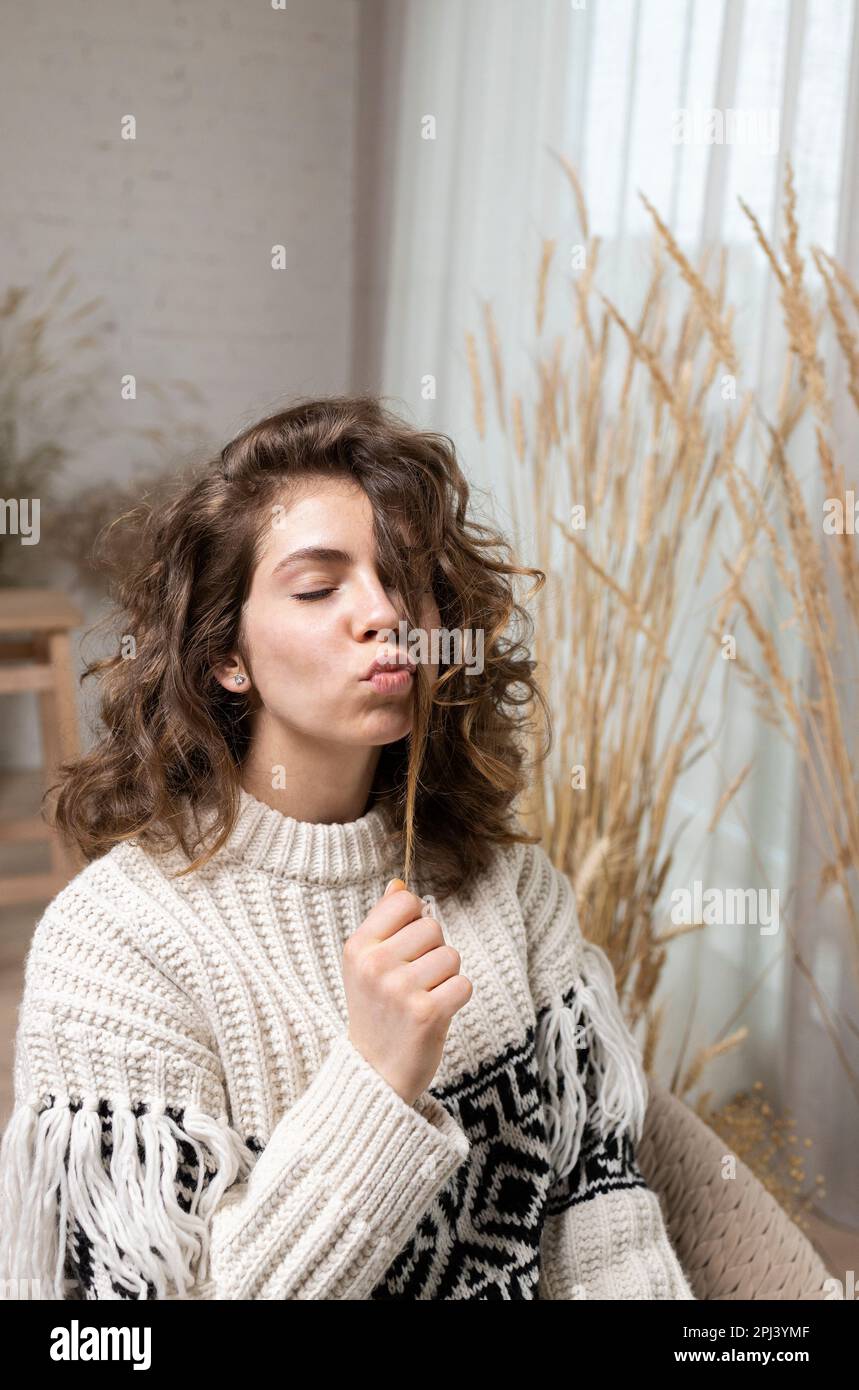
x,y
621,422
47,378
87,529
52,367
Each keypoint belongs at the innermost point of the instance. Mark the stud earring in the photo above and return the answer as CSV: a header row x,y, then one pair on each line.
x,y
239,680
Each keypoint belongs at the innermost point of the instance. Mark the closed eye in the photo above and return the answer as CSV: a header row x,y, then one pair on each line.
x,y
317,594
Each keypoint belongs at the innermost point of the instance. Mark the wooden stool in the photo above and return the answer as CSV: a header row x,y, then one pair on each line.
x,y
40,659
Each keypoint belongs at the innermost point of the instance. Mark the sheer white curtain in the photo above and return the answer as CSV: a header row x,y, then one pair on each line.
x,y
497,84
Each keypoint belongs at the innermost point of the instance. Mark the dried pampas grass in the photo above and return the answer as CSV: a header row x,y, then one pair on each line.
x,y
650,457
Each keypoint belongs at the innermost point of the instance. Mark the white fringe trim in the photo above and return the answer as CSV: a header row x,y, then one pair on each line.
x,y
132,1208
594,1018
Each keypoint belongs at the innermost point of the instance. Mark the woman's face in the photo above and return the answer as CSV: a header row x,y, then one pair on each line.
x,y
314,625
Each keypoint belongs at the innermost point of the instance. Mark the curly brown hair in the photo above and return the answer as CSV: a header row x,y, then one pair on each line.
x,y
175,738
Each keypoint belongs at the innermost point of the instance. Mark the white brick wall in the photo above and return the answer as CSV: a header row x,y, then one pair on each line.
x,y
245,139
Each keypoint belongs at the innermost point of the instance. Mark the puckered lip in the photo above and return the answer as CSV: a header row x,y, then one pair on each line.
x,y
397,661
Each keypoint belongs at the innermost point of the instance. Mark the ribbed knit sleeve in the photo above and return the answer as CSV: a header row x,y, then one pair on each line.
x,y
604,1235
342,1183
122,1177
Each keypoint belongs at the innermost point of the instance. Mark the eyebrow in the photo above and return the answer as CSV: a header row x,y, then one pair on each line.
x,y
323,554
314,552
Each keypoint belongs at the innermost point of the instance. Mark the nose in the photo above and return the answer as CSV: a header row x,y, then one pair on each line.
x,y
378,608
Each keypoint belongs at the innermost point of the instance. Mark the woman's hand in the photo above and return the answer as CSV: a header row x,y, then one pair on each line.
x,y
403,987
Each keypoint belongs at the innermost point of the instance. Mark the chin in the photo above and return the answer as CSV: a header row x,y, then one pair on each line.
x,y
390,729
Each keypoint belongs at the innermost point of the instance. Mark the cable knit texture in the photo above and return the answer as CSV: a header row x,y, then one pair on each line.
x,y
191,1119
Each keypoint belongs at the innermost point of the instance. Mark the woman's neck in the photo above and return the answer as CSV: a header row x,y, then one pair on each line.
x,y
313,795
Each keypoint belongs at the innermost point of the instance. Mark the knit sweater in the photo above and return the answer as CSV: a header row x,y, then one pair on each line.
x,y
191,1119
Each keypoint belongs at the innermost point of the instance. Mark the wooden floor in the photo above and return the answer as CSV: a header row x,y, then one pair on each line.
x,y
19,794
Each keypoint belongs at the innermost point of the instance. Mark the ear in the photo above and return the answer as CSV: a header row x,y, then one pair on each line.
x,y
226,674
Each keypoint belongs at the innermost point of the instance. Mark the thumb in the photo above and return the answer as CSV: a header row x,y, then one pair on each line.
x,y
394,886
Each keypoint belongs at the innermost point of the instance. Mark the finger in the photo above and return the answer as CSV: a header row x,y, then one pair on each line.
x,y
413,941
433,968
452,993
389,915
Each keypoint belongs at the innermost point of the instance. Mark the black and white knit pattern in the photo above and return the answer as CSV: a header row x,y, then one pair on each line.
x,y
480,1238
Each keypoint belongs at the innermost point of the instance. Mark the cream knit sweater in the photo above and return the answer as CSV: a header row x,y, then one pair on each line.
x,y
192,1121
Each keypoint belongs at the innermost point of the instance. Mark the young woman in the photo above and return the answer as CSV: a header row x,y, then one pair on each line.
x,y
316,1020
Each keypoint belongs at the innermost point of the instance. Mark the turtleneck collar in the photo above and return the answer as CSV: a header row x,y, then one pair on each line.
x,y
312,851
